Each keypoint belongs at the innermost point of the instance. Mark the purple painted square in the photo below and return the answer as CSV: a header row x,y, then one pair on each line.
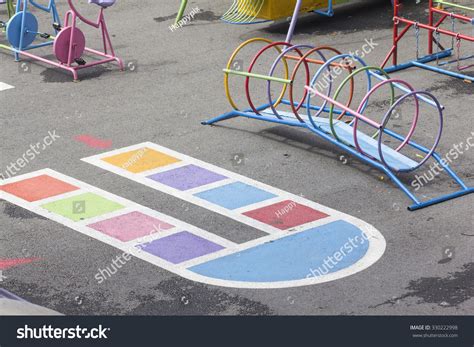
x,y
4,294
130,226
180,247
187,177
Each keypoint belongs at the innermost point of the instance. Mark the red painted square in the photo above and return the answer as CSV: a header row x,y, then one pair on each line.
x,y
286,215
38,188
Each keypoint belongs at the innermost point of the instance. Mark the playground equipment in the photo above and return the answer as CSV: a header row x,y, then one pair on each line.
x,y
22,28
10,11
343,126
259,11
434,37
69,43
182,8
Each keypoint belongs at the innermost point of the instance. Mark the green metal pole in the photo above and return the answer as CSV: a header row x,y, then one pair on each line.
x,y
450,4
182,8
258,76
10,8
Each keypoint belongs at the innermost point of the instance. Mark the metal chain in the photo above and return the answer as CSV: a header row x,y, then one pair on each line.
x,y
458,52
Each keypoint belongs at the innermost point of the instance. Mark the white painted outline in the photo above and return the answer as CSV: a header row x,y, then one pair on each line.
x,y
5,86
236,214
376,241
129,206
188,196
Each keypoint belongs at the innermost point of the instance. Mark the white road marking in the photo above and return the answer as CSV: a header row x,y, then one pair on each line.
x,y
375,251
4,86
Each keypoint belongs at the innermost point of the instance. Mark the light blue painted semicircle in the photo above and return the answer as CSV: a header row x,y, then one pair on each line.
x,y
294,257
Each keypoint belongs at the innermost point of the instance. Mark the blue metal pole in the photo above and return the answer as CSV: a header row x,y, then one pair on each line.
x,y
425,59
450,171
443,71
252,115
329,12
22,28
404,89
440,199
231,114
39,45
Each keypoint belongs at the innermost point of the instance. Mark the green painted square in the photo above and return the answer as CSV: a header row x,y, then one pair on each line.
x,y
81,207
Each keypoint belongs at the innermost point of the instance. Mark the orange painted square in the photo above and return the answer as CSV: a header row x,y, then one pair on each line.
x,y
140,160
38,188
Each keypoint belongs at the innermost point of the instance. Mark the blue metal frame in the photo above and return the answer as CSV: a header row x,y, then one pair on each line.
x,y
423,63
51,8
329,12
417,204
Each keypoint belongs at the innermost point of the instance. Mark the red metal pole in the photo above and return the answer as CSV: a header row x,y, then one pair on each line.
x,y
394,46
455,15
430,32
441,20
395,32
441,31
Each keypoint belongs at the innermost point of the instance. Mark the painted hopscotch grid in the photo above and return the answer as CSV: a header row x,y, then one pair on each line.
x,y
121,223
258,205
106,227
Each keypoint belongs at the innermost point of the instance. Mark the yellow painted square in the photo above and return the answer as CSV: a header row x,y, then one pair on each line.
x,y
140,160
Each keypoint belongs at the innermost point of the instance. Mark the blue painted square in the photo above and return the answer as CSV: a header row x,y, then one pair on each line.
x,y
235,195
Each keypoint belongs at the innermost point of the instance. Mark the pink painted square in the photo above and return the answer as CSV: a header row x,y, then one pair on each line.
x,y
130,226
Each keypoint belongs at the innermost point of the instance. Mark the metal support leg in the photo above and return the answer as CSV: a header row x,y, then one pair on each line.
x,y
182,8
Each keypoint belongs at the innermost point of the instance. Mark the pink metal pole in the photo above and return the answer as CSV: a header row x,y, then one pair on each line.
x,y
344,107
430,32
